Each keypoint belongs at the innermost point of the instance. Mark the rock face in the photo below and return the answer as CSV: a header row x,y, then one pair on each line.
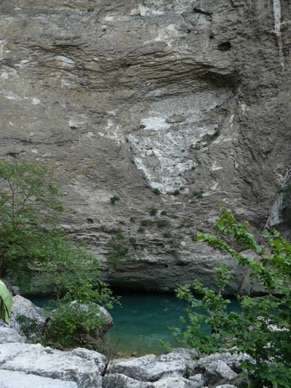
x,y
173,106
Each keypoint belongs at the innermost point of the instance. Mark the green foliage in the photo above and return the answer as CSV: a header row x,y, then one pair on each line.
x,y
121,247
114,199
146,222
153,211
72,324
175,192
31,244
30,328
28,201
261,328
162,223
163,213
198,194
156,191
132,241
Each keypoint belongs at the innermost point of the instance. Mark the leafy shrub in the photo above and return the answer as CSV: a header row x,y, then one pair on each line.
x,y
153,211
156,191
71,324
146,222
175,192
132,241
162,223
114,199
198,194
121,247
261,328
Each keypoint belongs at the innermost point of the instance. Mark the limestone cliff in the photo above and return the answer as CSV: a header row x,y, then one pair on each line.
x,y
151,113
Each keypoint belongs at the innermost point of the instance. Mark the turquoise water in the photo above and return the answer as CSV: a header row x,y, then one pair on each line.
x,y
143,321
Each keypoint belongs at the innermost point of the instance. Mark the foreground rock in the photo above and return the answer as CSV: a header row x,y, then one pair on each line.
x,y
26,313
85,369
25,365
81,367
12,379
180,369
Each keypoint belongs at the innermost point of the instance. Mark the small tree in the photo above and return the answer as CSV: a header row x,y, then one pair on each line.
x,y
261,328
29,204
32,243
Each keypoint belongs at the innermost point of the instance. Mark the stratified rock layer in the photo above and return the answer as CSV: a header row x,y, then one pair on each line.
x,y
173,105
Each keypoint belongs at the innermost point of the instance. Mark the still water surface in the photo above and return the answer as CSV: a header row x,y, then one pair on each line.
x,y
142,322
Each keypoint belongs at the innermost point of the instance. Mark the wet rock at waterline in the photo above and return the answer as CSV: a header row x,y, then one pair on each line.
x,y
173,105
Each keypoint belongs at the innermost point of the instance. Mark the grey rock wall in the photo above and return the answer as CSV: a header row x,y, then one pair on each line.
x,y
188,99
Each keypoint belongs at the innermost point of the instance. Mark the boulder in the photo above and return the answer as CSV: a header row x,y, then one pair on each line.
x,y
26,318
152,368
217,371
8,335
77,366
198,380
232,360
175,381
101,328
118,380
226,386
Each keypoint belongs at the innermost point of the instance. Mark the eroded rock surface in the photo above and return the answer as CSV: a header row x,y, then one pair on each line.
x,y
186,99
